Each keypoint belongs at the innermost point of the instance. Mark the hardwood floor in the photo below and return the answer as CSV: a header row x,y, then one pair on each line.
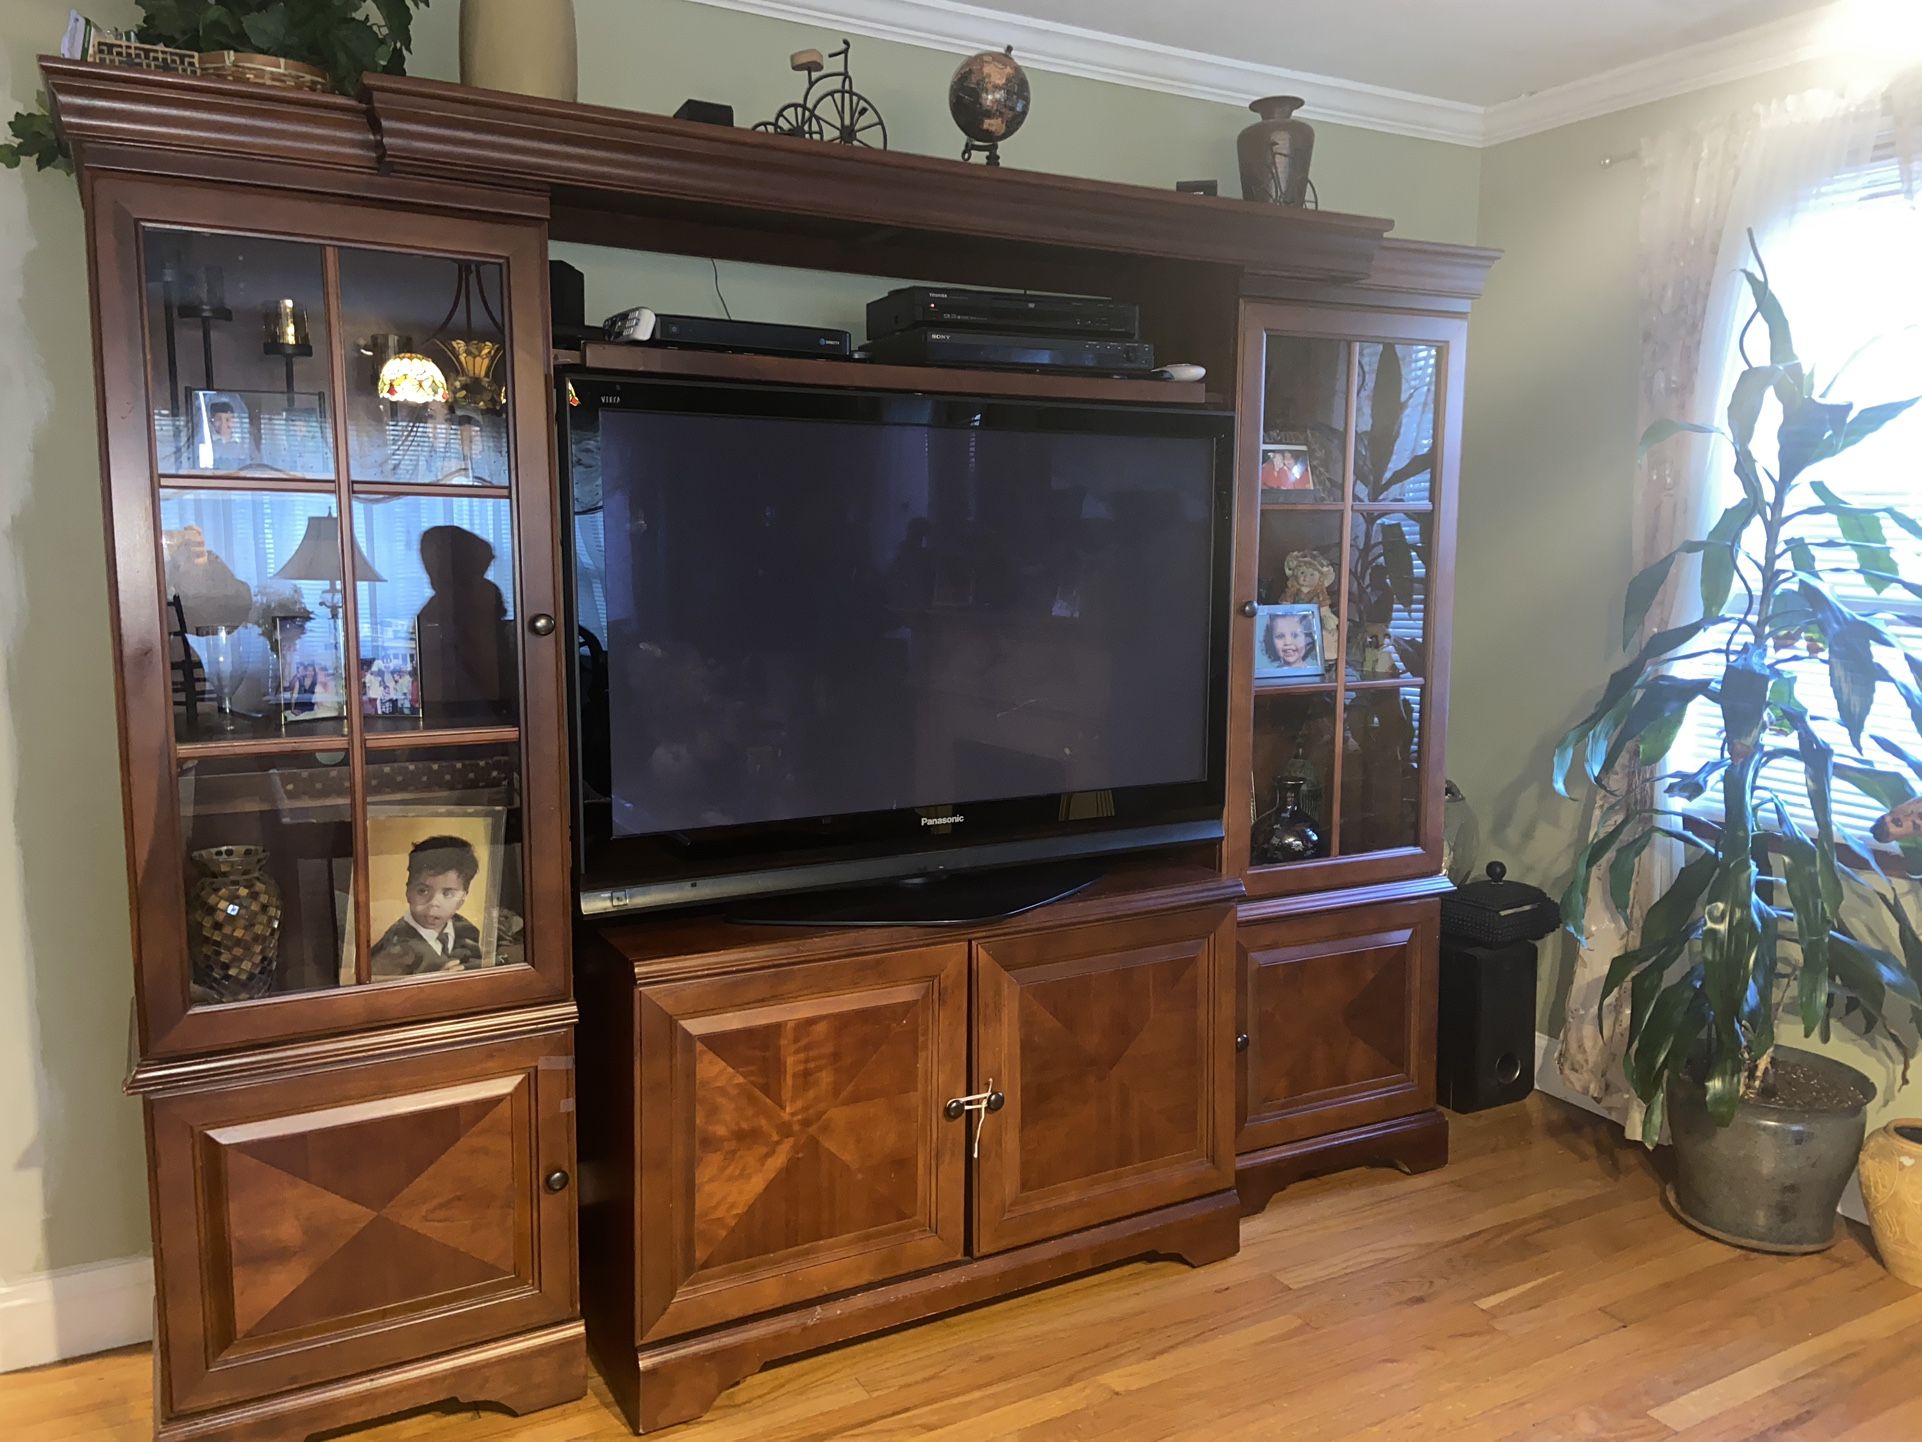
x,y
1535,1290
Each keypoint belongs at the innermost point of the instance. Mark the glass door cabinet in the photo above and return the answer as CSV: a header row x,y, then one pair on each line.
x,y
1344,538
335,607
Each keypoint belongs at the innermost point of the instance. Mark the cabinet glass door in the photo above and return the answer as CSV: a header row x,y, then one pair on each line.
x,y
354,795
1342,514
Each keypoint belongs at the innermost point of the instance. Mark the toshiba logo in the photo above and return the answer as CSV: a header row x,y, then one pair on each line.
x,y
942,820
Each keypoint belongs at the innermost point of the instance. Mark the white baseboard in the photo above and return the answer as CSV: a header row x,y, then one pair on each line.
x,y
75,1312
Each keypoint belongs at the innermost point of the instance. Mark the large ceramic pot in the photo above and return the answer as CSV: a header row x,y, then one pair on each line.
x,y
524,46
1275,152
1771,1178
233,923
1892,1190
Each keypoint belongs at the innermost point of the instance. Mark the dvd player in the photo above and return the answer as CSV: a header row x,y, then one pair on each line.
x,y
1002,312
962,348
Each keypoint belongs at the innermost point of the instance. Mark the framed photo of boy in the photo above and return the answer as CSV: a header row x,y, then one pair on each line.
x,y
434,878
1288,642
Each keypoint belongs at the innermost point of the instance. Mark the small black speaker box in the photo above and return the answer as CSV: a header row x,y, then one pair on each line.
x,y
1485,1047
567,295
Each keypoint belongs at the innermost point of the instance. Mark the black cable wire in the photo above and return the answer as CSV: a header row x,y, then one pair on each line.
x,y
717,288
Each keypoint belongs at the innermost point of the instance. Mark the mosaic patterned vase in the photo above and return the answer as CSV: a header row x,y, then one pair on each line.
x,y
233,923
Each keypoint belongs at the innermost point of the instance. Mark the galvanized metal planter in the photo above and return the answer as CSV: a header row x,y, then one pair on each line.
x,y
1770,1179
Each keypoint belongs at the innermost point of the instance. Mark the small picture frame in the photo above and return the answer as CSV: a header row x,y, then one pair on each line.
x,y
1286,475
1288,642
310,686
281,433
390,677
453,924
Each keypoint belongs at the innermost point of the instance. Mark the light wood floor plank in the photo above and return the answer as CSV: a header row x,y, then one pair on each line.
x,y
1535,1290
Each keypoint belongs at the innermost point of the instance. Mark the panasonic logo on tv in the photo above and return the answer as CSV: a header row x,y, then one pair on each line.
x,y
942,820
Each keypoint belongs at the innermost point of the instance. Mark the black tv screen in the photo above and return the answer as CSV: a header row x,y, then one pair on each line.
x,y
823,629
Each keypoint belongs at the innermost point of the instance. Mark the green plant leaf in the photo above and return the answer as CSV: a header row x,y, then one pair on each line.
x,y
1621,872
1663,431
1870,419
1673,1024
1853,676
1744,698
1870,974
1693,785
1631,964
1803,871
1642,592
1718,560
1769,308
1887,788
1575,898
1752,387
1811,432
1672,914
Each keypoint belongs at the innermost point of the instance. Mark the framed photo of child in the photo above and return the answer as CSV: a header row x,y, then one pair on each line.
x,y
1288,642
1286,475
434,879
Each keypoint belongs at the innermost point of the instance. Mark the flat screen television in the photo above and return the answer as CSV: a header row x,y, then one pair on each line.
x,y
833,637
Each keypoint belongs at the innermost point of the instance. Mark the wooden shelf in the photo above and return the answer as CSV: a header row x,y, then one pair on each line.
x,y
866,375
1265,688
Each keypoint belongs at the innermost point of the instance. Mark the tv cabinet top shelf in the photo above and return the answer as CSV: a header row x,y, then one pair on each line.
x,y
865,375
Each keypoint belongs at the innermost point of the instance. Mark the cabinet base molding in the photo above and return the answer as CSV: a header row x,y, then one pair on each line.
x,y
679,1380
1413,1144
523,1374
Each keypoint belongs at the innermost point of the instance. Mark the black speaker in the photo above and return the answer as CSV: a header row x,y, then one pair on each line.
x,y
567,294
1485,1047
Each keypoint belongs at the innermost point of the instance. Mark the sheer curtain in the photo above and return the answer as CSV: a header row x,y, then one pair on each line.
x,y
1704,191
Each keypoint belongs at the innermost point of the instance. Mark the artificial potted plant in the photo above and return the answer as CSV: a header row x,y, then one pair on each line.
x,y
1765,918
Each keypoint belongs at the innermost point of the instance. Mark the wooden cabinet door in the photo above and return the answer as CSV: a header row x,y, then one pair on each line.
x,y
1339,1012
1113,1046
315,1226
792,1141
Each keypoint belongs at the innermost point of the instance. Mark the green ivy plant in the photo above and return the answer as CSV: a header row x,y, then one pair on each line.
x,y
345,38
341,37
35,138
1753,925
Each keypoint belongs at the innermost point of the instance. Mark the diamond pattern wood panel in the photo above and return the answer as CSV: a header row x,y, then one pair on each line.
x,y
806,1114
315,1223
1114,1047
1332,1005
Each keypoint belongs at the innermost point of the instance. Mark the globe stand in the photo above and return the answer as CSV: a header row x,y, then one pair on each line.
x,y
992,150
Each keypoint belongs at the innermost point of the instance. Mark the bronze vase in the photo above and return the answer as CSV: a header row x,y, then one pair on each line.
x,y
233,923
1275,152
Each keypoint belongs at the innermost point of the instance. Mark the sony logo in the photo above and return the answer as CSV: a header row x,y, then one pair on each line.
x,y
942,820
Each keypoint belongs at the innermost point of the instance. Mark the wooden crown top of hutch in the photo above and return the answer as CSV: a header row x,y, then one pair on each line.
x,y
643,181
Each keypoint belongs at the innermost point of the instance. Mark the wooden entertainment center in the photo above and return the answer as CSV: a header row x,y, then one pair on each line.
x,y
362,1138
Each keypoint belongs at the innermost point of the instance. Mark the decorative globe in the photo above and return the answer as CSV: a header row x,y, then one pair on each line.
x,y
989,96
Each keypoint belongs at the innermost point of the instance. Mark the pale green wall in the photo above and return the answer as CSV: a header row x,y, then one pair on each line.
x,y
71,1174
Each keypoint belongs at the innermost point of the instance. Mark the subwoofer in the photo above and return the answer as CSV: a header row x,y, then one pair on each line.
x,y
1485,1047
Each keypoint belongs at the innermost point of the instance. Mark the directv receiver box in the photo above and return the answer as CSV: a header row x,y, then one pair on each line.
x,y
700,332
1002,312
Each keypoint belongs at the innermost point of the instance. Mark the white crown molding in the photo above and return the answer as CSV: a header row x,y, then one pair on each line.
x,y
1749,53
958,29
75,1312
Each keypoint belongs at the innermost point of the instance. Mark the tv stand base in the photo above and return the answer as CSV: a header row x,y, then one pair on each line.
x,y
968,898
680,1380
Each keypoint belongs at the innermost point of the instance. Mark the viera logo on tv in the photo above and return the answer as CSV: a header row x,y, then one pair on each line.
x,y
942,820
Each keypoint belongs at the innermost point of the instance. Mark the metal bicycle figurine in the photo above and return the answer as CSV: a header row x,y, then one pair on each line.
x,y
838,112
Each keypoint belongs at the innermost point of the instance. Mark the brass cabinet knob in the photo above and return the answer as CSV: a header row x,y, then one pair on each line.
x,y
1241,1041
541,625
1248,609
557,1180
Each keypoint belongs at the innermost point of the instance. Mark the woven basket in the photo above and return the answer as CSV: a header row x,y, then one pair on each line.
x,y
133,55
263,70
